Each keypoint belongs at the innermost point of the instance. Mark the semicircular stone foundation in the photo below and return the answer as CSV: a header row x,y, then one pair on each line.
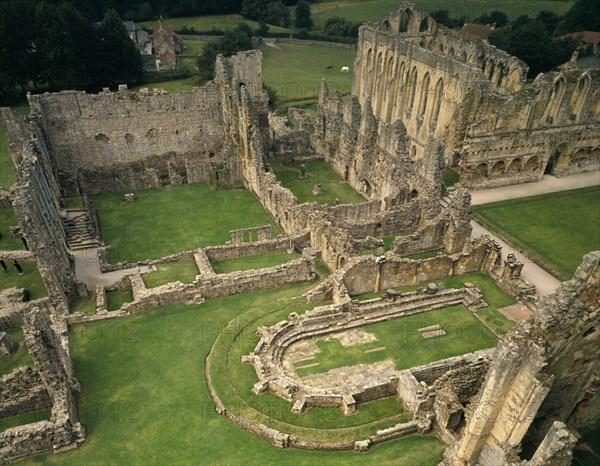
x,y
348,386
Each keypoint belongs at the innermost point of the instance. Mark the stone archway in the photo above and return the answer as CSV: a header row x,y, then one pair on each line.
x,y
559,156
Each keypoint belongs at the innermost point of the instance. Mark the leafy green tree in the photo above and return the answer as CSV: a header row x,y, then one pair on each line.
x,y
498,17
255,10
531,42
145,12
278,14
584,15
303,16
441,17
116,59
549,19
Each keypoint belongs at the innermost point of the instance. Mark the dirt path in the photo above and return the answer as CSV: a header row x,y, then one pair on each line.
x,y
549,184
87,269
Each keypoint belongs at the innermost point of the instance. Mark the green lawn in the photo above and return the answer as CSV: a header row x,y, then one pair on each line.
x,y
75,202
184,271
174,85
22,419
7,168
405,345
166,220
206,23
194,47
423,255
19,357
317,172
493,295
294,71
85,304
451,177
308,105
8,219
116,298
31,279
145,399
258,261
359,11
557,229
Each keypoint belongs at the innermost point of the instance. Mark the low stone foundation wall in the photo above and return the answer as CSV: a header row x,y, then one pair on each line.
x,y
267,357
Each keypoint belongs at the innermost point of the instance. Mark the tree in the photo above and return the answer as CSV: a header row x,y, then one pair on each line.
x,y
278,14
303,15
495,17
116,60
60,65
145,12
584,15
339,27
549,19
441,17
531,42
255,10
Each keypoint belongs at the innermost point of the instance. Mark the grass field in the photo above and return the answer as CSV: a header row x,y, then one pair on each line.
x,y
294,71
194,47
184,271
7,168
19,357
317,172
85,304
206,23
405,345
258,261
359,11
557,229
31,279
21,419
493,295
451,177
145,399
174,85
8,219
115,299
166,220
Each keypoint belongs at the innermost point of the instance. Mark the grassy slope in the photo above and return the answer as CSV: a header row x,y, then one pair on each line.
x,y
359,11
184,271
557,228
145,400
7,168
18,358
259,261
404,344
295,71
317,172
174,85
166,220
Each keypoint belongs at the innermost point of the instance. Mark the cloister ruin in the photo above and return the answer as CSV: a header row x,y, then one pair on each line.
x,y
423,98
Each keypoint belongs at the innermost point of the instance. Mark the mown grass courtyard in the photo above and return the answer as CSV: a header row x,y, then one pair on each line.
x,y
167,220
495,297
316,173
19,356
258,261
400,341
556,229
152,406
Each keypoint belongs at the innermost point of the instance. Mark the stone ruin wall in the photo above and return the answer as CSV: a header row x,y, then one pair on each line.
x,y
128,140
545,371
49,385
470,95
36,202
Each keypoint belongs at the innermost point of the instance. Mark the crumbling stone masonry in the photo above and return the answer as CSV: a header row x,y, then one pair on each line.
x,y
472,97
545,371
49,385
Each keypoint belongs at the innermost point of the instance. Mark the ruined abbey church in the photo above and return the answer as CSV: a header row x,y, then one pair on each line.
x,y
423,98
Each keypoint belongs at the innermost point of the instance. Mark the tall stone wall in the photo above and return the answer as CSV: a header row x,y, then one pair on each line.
x,y
471,96
36,203
545,370
117,141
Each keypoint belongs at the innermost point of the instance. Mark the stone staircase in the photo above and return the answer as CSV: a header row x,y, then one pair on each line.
x,y
445,201
79,230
